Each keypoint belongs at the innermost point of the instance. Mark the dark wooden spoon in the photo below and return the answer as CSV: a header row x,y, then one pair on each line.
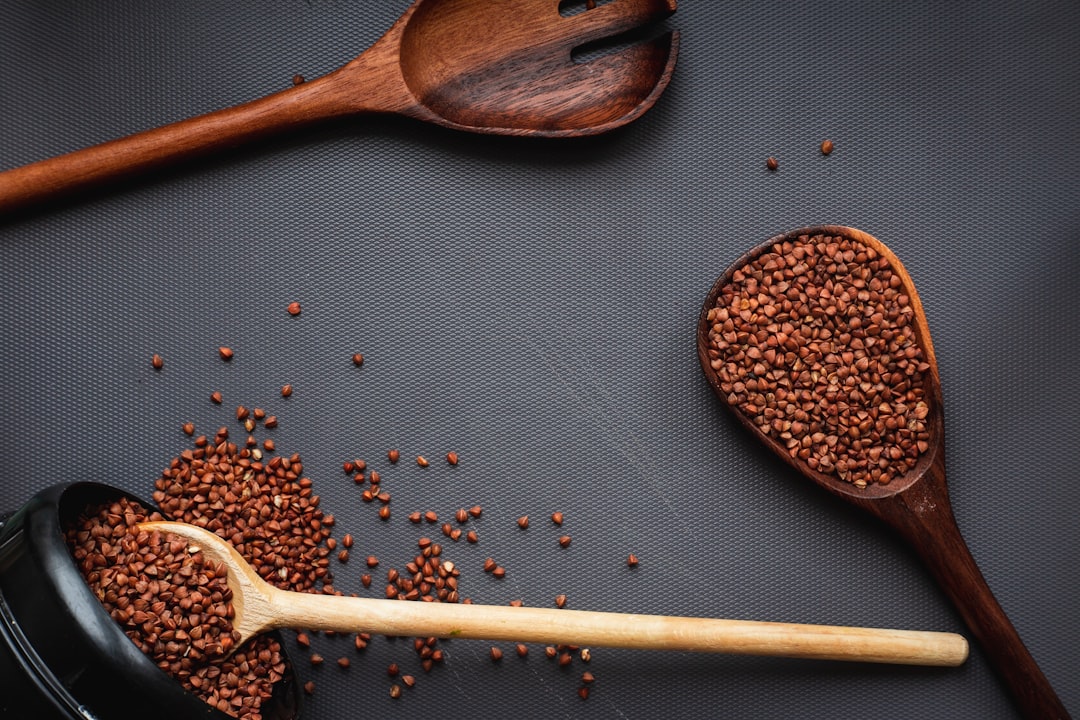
x,y
916,504
486,66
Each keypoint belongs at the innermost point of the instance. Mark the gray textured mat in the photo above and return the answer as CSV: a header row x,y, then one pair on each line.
x,y
531,305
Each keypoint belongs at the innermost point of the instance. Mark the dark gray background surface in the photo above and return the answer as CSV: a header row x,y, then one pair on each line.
x,y
532,306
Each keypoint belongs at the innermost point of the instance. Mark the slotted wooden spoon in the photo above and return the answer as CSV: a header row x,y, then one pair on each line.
x,y
917,504
486,66
259,607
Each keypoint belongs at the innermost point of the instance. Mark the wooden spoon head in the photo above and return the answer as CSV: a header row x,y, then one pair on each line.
x,y
932,459
502,67
249,590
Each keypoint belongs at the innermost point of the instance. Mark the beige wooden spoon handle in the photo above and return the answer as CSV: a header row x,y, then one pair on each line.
x,y
601,629
260,606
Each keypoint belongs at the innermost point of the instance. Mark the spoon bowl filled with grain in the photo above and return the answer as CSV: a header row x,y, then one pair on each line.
x,y
817,342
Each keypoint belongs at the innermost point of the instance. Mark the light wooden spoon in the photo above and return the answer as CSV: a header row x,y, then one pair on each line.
x,y
260,607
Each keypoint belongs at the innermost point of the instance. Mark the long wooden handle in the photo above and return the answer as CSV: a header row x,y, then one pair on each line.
x,y
599,629
960,577
938,540
154,149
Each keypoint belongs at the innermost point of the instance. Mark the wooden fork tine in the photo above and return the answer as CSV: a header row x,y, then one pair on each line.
x,y
619,16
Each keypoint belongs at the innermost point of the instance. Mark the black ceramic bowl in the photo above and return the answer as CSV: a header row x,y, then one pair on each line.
x,y
61,656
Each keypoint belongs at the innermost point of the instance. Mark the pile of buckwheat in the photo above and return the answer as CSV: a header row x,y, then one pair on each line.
x,y
177,609
813,341
175,606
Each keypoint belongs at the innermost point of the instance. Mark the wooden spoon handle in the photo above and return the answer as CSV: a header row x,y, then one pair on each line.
x,y
948,558
152,149
643,632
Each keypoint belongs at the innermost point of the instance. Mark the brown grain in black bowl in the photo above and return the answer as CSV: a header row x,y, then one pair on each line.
x,y
62,657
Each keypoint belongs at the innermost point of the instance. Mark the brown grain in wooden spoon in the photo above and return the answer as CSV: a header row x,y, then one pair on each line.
x,y
259,606
916,504
486,66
